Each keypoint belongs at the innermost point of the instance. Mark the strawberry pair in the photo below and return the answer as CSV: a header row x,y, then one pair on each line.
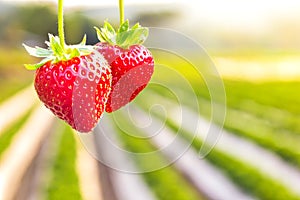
x,y
78,83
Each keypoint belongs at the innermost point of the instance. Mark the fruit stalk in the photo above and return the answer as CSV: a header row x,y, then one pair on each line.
x,y
121,8
61,33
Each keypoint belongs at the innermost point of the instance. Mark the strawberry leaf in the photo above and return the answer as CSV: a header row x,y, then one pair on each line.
x,y
32,66
124,37
135,36
55,45
37,51
55,52
38,65
83,41
137,25
99,34
83,49
110,30
104,35
73,53
124,27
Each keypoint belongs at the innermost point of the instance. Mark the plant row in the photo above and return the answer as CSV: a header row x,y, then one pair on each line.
x,y
163,182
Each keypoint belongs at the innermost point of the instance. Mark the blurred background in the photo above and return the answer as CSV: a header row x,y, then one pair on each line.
x,y
255,46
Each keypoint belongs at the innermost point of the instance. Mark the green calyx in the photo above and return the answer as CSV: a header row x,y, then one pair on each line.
x,y
124,37
56,52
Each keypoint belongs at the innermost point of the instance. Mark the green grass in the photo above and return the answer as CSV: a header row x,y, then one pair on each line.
x,y
163,182
64,183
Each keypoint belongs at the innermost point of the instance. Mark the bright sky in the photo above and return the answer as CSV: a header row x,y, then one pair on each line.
x,y
232,12
232,8
213,4
98,2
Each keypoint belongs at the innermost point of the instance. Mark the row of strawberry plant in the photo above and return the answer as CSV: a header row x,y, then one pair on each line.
x,y
282,95
280,119
262,131
282,142
276,102
64,183
163,182
246,177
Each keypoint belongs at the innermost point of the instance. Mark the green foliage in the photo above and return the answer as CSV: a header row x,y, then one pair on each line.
x,y
64,183
56,51
124,37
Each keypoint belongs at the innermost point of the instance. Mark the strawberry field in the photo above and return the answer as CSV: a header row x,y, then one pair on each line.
x,y
257,156
144,113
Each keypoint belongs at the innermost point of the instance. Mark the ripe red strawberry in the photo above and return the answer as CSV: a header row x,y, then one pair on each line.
x,y
131,63
75,89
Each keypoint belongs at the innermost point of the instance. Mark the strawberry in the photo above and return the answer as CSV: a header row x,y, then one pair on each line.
x,y
131,63
73,83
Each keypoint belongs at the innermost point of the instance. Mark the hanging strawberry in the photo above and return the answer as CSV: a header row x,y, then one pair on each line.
x,y
74,81
132,64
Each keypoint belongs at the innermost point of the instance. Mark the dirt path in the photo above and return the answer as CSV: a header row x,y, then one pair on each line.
x,y
15,107
125,185
20,154
88,173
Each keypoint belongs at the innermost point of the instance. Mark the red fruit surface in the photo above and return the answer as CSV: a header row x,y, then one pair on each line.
x,y
131,68
76,90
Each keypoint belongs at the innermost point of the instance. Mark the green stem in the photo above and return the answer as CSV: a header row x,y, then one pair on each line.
x,y
121,8
61,33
